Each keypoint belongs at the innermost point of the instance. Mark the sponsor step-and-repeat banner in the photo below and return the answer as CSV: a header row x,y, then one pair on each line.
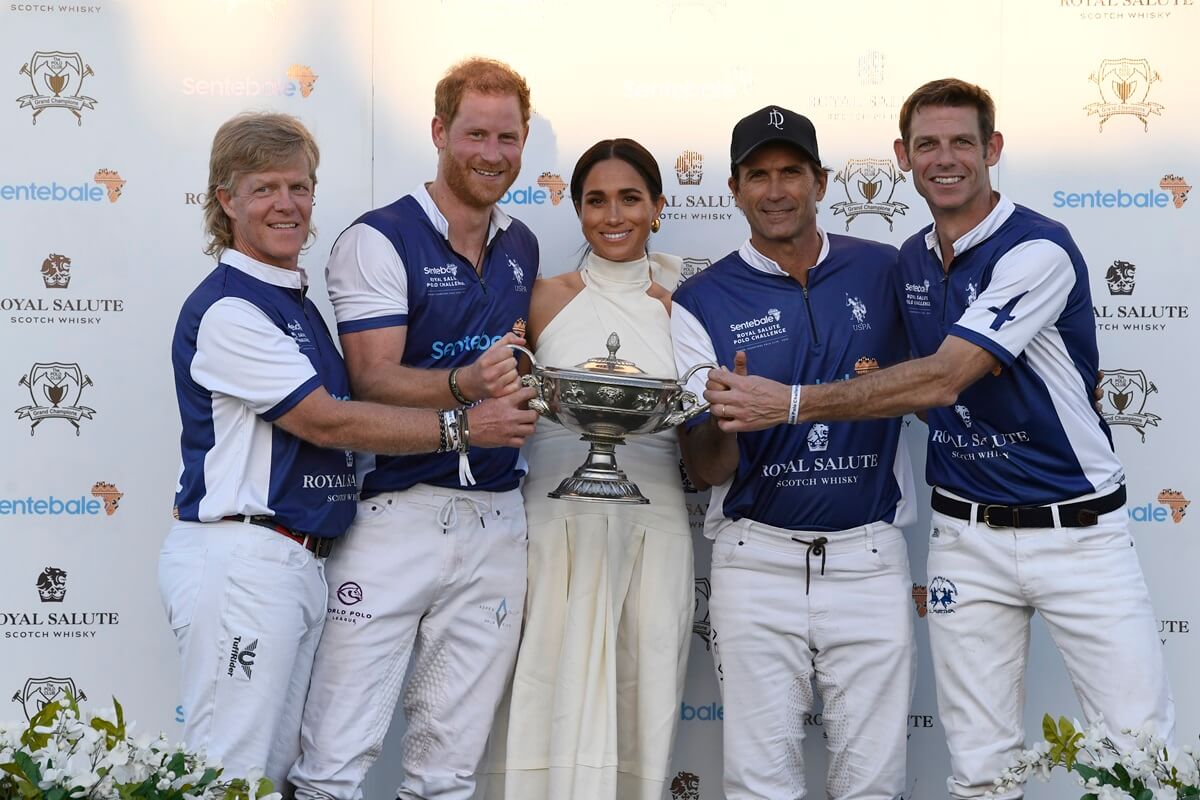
x,y
107,111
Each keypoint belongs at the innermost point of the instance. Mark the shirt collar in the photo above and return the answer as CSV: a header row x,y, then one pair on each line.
x,y
749,253
990,224
276,276
499,222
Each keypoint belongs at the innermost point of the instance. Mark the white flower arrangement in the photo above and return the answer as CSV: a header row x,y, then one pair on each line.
x,y
1105,772
65,753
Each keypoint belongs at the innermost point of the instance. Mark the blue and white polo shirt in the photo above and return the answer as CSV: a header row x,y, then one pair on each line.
x,y
816,476
248,347
1018,288
394,267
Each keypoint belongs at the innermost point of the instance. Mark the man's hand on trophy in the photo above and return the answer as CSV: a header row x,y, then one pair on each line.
x,y
494,374
742,402
503,421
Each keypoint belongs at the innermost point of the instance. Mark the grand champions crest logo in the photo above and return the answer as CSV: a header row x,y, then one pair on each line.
x,y
869,184
55,389
62,75
1124,401
1124,85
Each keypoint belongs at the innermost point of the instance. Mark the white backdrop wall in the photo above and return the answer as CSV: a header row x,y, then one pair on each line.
x,y
107,111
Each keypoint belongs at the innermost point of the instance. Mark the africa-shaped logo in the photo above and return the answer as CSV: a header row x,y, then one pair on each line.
x,y
554,184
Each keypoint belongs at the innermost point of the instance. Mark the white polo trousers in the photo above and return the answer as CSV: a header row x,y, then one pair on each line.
x,y
852,633
1087,584
438,571
247,606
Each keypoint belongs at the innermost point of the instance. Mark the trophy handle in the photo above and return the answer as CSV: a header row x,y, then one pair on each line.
x,y
534,379
689,405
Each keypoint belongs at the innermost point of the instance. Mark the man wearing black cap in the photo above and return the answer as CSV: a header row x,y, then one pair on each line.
x,y
810,576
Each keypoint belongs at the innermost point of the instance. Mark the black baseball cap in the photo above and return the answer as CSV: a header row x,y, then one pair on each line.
x,y
773,124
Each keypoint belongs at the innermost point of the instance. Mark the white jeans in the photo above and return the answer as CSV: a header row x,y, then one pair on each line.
x,y
441,571
247,606
852,632
984,585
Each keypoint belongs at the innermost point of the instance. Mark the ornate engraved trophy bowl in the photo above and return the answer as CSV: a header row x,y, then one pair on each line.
x,y
604,400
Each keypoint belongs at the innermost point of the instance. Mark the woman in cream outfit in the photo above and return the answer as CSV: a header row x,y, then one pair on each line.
x,y
601,668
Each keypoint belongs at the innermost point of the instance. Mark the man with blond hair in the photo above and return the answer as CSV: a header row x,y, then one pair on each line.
x,y
429,293
267,482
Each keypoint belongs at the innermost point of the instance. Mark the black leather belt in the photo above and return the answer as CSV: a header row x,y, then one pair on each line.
x,y
1082,514
319,546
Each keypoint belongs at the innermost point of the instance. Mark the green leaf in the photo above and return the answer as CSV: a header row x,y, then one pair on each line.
x,y
120,719
57,793
1065,729
1085,771
1048,731
1121,773
28,767
1145,794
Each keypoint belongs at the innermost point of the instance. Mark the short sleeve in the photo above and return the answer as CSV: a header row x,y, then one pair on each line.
x,y
242,354
1028,292
367,281
692,346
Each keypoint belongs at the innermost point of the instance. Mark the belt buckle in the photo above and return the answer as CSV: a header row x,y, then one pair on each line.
x,y
987,518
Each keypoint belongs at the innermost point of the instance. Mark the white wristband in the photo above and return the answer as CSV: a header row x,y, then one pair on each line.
x,y
794,406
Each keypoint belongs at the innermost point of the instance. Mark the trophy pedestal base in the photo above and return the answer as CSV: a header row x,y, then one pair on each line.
x,y
599,479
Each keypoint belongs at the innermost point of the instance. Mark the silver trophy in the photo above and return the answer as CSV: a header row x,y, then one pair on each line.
x,y
606,399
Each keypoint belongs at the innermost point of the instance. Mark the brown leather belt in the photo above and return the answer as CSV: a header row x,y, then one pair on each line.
x,y
319,546
1082,514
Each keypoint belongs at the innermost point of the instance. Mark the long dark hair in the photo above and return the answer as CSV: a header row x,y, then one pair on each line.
x,y
626,150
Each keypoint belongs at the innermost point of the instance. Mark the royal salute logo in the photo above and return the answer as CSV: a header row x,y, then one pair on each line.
x,y
1124,85
1124,401
943,594
817,438
1121,277
55,389
685,786
1121,280
964,414
38,692
689,168
871,66
701,625
865,364
52,585
920,598
869,184
62,75
1169,629
59,305
56,271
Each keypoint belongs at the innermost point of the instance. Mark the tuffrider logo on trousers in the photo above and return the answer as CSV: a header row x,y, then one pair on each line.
x,y
242,657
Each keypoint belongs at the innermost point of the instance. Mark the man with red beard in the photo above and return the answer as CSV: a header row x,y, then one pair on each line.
x,y
427,293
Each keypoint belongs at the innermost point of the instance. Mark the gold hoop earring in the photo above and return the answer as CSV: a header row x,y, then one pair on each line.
x,y
655,225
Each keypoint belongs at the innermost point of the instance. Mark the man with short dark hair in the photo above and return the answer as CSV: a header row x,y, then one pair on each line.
x,y
810,579
267,483
1029,497
429,293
